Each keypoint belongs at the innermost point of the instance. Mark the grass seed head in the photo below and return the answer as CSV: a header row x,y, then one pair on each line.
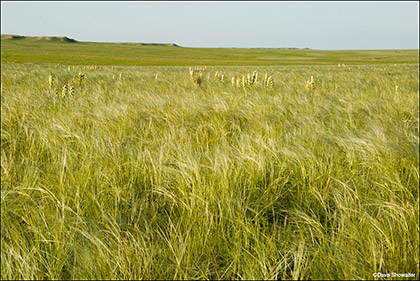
x,y
80,76
254,77
310,85
50,80
191,71
71,89
270,82
65,89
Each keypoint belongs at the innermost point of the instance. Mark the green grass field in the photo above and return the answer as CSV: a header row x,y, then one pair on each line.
x,y
151,172
58,50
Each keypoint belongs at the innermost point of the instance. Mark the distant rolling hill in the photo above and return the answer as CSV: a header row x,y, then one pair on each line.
x,y
38,38
64,50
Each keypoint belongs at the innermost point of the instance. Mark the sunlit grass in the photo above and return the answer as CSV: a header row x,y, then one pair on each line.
x,y
144,174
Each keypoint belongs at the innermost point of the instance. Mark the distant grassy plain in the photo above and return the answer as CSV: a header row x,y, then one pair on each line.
x,y
144,173
33,50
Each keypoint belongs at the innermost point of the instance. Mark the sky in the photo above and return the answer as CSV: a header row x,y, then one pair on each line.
x,y
246,24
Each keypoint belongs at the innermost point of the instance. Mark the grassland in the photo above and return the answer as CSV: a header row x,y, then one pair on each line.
x,y
50,50
144,174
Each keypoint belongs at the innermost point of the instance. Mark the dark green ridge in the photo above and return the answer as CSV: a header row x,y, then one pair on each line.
x,y
63,50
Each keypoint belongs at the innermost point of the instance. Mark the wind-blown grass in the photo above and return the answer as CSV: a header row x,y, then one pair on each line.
x,y
145,178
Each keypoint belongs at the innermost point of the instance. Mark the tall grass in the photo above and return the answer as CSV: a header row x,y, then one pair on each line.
x,y
152,176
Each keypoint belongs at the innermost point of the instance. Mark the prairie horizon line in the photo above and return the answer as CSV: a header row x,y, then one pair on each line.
x,y
40,37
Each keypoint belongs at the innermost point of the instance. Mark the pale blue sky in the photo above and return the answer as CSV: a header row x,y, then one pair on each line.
x,y
316,25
